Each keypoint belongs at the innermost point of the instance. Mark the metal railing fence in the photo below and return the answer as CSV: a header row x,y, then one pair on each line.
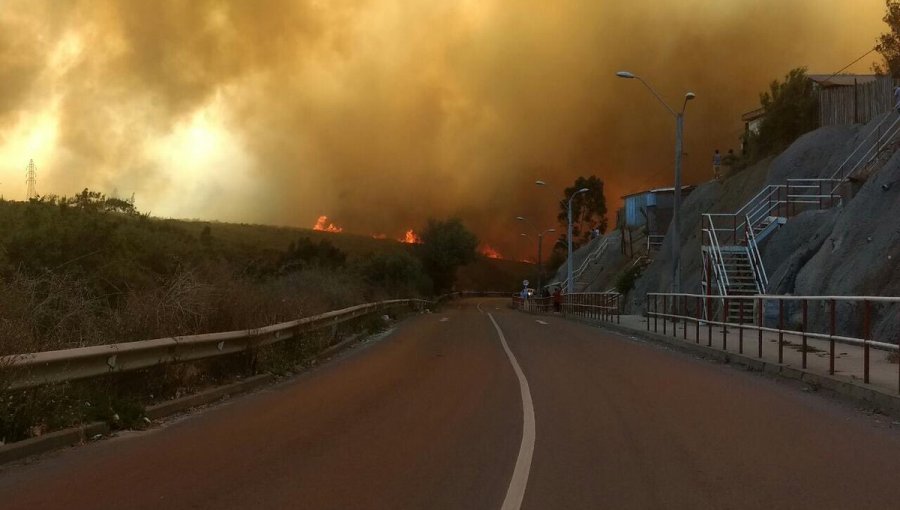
x,y
835,319
604,306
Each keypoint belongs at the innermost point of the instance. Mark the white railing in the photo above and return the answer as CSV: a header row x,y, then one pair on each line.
x,y
594,254
873,151
759,270
717,258
838,171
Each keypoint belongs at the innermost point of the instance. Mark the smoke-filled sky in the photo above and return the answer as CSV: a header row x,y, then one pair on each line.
x,y
381,113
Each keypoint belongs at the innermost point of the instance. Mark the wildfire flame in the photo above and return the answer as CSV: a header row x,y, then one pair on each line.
x,y
330,227
411,238
489,252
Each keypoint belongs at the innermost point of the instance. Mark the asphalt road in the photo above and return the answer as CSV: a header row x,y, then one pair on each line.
x,y
481,407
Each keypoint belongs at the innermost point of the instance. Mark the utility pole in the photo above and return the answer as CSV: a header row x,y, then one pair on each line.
x,y
31,180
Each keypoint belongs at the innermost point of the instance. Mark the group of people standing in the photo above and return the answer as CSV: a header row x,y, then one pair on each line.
x,y
545,293
718,160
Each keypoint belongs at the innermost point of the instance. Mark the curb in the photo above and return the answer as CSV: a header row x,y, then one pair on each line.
x,y
880,400
185,403
52,441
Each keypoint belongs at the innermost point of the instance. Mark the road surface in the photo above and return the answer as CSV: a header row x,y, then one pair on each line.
x,y
446,413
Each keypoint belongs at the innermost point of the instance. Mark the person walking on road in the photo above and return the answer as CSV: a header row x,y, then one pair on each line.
x,y
717,164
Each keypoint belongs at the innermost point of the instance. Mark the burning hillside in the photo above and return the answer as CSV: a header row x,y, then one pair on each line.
x,y
410,237
489,252
323,225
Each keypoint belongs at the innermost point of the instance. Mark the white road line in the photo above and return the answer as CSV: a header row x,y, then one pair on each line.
x,y
516,491
478,306
444,319
542,323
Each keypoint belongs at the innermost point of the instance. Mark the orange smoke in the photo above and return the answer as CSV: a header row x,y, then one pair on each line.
x,y
411,238
489,252
320,225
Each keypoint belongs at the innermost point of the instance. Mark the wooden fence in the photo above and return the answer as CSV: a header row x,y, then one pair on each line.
x,y
854,104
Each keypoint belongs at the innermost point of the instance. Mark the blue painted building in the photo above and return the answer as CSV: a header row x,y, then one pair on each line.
x,y
651,208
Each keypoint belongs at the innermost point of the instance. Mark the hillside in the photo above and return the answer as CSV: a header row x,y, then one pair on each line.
x,y
78,272
849,249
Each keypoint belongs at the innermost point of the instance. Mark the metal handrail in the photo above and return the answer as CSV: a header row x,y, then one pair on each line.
x,y
859,146
718,258
593,255
39,368
884,139
759,270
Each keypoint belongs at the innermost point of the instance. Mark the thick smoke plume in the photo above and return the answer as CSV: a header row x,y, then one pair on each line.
x,y
381,113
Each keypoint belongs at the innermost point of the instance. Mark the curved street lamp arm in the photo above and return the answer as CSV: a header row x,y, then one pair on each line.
x,y
657,96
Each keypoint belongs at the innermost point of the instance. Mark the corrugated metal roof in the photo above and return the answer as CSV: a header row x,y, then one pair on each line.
x,y
659,190
753,114
841,80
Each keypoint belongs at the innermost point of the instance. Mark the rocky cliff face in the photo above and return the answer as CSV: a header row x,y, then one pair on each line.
x,y
852,249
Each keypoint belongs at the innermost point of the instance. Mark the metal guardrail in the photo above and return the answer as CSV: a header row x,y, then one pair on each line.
x,y
605,306
36,369
688,308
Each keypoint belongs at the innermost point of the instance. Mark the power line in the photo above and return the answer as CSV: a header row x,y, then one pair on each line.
x,y
864,55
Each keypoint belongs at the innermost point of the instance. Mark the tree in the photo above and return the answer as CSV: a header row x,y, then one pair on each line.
x,y
791,109
588,209
446,245
889,43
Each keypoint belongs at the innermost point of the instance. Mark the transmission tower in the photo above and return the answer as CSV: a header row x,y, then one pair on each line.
x,y
31,179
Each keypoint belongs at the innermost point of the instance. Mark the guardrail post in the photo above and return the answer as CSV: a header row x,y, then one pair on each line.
x,y
618,309
867,332
780,330
697,323
665,311
648,312
831,330
761,306
803,305
741,326
656,313
684,314
725,325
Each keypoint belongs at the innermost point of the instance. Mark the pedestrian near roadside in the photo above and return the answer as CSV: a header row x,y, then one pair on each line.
x,y
717,164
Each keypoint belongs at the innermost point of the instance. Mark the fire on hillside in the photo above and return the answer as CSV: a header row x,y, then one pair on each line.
x,y
489,252
410,237
323,225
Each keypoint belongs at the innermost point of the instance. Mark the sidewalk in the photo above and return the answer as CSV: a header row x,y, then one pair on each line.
x,y
883,389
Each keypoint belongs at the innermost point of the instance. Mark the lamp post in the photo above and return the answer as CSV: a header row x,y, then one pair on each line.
x,y
570,287
676,200
540,240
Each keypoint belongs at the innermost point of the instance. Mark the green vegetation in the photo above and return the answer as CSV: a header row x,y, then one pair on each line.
x,y
88,270
889,43
625,280
791,110
446,246
588,209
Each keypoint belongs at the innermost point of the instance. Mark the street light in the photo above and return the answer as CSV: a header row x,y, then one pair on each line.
x,y
540,240
570,288
676,205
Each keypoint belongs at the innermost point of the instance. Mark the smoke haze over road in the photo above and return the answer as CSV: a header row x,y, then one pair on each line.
x,y
381,113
